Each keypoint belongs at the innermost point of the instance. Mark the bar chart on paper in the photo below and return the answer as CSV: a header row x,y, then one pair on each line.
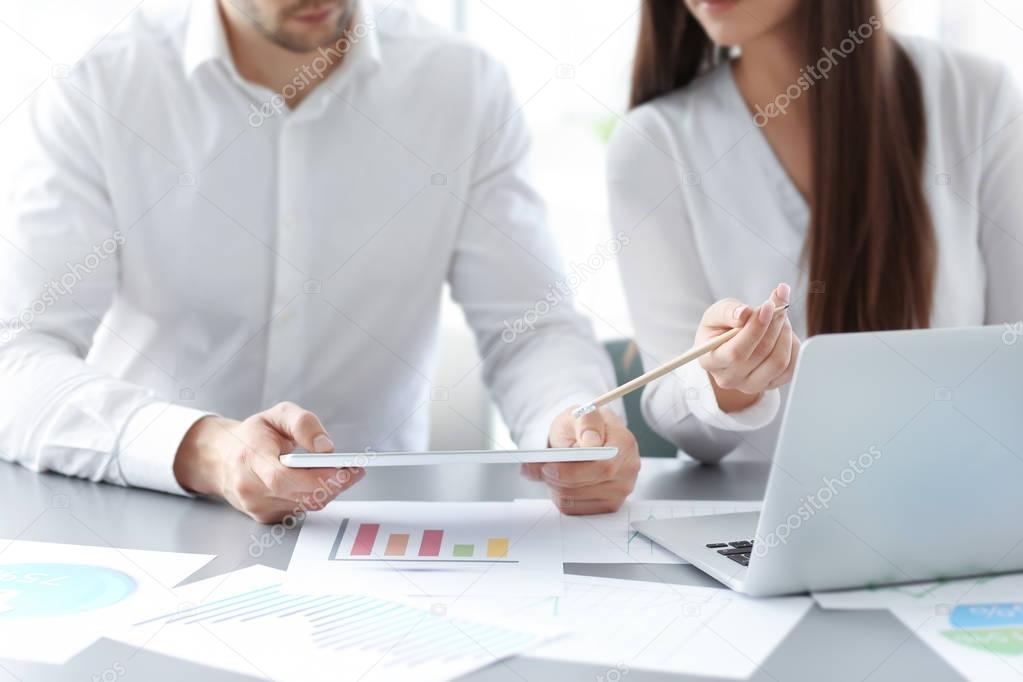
x,y
244,622
431,548
376,543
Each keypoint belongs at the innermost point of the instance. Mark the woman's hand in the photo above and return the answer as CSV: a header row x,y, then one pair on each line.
x,y
760,357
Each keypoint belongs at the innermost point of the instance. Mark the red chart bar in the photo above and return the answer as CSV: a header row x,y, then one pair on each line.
x,y
365,539
431,543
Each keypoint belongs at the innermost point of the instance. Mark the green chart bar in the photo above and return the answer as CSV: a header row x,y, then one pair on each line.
x,y
464,550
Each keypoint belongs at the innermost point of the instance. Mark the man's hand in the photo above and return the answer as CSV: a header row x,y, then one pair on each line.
x,y
589,487
239,461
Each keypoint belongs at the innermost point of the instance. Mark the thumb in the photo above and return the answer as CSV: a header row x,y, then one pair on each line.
x,y
590,430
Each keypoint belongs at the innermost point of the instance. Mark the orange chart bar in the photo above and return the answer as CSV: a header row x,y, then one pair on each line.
x,y
497,548
397,543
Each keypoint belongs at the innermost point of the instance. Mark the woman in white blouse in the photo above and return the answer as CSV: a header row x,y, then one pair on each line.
x,y
795,142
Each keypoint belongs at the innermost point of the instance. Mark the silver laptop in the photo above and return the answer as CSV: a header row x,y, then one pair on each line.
x,y
900,459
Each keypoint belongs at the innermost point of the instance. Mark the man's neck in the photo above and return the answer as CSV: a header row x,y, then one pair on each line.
x,y
263,62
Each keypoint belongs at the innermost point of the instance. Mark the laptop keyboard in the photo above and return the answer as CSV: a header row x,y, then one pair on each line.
x,y
738,550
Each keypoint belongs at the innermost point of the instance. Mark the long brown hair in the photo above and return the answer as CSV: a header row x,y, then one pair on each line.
x,y
870,249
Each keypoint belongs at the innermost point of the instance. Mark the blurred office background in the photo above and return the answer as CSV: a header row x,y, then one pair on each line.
x,y
569,61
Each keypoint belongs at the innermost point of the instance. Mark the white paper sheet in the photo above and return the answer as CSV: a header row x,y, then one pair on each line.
x,y
930,595
610,538
56,599
430,548
243,622
983,641
629,624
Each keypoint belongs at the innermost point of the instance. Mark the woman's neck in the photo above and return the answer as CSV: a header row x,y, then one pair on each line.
x,y
770,65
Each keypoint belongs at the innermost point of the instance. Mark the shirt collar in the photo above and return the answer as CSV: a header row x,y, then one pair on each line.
x,y
206,40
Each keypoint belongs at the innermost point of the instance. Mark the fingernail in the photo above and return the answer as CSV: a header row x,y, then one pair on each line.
x,y
590,439
550,471
739,311
323,444
765,312
784,292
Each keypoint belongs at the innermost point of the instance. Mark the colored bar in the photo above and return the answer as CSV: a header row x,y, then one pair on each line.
x,y
365,539
396,544
464,550
431,543
497,548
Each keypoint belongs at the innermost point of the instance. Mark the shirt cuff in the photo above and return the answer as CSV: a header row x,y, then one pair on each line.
x,y
149,444
701,401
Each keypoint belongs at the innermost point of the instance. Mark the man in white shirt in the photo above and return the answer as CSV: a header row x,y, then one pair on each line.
x,y
250,201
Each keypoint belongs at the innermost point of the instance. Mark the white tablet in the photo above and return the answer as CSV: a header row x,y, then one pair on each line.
x,y
330,460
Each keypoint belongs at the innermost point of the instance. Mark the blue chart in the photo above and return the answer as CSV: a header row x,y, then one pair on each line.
x,y
50,590
396,635
991,628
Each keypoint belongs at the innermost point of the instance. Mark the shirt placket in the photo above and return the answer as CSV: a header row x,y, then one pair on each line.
x,y
286,332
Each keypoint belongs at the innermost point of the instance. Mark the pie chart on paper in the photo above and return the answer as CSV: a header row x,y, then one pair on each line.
x,y
48,590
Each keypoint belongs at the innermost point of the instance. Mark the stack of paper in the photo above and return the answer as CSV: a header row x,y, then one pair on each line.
x,y
56,600
975,624
245,623
430,549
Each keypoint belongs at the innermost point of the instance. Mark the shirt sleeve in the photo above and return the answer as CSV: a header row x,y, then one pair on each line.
x,y
1001,206
539,354
58,277
667,289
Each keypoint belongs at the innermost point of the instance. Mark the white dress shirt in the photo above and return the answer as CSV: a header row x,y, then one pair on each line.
x,y
712,214
180,248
